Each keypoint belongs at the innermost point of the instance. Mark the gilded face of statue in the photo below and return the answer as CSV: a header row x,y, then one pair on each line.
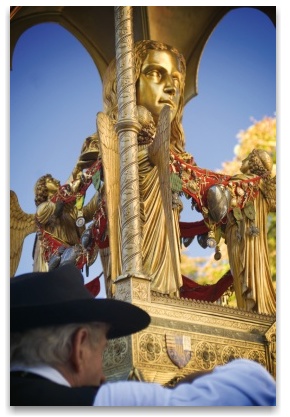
x,y
159,83
52,184
245,168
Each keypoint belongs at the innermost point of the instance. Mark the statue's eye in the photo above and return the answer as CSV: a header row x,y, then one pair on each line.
x,y
155,75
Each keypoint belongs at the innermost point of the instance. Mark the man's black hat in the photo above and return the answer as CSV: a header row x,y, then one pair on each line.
x,y
59,297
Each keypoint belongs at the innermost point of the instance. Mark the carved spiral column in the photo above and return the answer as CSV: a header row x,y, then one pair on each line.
x,y
132,285
127,129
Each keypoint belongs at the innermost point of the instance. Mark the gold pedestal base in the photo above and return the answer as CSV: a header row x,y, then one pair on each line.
x,y
186,336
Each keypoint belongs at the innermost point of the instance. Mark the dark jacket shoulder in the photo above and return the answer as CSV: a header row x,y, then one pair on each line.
x,y
32,390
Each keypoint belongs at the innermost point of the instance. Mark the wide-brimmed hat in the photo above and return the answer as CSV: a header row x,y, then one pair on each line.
x,y
59,297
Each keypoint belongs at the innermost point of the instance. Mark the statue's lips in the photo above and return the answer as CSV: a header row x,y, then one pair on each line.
x,y
168,102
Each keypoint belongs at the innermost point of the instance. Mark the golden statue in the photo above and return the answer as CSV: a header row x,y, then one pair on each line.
x,y
165,170
246,238
160,76
236,208
59,222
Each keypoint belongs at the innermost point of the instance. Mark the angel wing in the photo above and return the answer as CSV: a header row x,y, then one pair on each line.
x,y
111,167
21,225
159,155
268,188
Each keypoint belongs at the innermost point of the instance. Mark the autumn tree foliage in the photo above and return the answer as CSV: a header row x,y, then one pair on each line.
x,y
262,135
206,270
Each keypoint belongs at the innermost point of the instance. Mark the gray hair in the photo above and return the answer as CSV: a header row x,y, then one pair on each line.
x,y
50,345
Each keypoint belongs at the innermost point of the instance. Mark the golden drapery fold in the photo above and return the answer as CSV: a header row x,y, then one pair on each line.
x,y
156,254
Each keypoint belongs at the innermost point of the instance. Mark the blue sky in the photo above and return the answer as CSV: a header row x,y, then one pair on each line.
x,y
55,94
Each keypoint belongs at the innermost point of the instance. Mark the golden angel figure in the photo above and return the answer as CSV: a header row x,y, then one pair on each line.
x,y
246,238
59,222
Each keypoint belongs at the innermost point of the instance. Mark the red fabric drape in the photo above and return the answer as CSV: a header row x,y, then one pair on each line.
x,y
94,286
190,289
210,293
193,229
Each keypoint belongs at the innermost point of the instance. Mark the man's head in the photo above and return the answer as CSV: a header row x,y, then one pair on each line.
x,y
165,82
55,320
76,350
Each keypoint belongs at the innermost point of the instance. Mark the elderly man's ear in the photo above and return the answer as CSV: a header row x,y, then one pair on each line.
x,y
74,371
80,346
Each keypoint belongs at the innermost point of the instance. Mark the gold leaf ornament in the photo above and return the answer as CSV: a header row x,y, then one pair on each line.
x,y
250,210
